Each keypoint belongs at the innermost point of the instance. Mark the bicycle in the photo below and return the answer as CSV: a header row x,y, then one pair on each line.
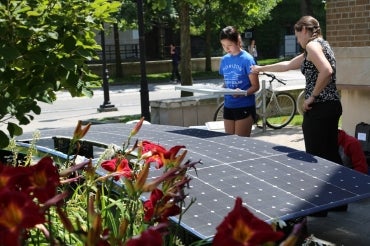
x,y
279,110
300,100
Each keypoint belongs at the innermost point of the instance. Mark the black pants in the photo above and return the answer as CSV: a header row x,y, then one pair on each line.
x,y
175,72
320,130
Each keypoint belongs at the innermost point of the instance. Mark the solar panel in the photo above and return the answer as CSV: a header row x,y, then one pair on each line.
x,y
273,181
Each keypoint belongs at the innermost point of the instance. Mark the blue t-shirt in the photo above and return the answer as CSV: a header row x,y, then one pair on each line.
x,y
235,70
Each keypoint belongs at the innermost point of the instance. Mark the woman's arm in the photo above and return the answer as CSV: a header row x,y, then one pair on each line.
x,y
316,55
255,84
283,66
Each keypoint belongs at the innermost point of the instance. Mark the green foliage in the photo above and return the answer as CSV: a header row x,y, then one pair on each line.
x,y
270,35
44,47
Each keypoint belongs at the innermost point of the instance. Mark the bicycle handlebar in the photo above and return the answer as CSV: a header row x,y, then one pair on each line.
x,y
273,77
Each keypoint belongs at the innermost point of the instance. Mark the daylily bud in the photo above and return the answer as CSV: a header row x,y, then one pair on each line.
x,y
129,187
142,177
180,158
137,127
80,131
65,220
123,227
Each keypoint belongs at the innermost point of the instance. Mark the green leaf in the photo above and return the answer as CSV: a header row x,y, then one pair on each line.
x,y
69,64
70,44
24,120
53,35
33,13
4,140
14,129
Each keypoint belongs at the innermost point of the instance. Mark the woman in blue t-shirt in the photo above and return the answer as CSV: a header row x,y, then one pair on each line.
x,y
239,110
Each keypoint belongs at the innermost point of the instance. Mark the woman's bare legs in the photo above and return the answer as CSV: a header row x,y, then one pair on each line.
x,y
241,128
229,126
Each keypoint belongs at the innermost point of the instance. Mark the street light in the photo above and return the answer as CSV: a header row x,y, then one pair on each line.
x,y
106,106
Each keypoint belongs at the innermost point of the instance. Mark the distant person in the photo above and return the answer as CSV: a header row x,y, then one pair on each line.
x,y
252,49
351,152
175,56
235,67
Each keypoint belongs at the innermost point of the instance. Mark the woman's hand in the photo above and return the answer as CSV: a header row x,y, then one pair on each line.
x,y
256,69
238,95
307,103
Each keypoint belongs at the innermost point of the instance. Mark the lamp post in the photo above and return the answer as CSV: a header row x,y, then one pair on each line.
x,y
144,92
106,106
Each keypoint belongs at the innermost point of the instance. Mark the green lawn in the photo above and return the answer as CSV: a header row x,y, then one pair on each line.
x,y
297,120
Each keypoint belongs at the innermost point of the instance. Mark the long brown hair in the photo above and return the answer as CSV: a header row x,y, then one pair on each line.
x,y
311,24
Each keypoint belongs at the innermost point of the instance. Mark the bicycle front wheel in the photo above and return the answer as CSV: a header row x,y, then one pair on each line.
x,y
280,110
219,114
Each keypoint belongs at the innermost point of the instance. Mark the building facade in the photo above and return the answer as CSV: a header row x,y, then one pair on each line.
x,y
348,32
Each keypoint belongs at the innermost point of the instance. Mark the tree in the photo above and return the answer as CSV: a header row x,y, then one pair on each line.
x,y
243,14
183,8
117,51
185,65
126,19
44,48
271,33
207,17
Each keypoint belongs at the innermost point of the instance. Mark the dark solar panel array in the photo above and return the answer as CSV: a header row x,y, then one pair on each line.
x,y
273,181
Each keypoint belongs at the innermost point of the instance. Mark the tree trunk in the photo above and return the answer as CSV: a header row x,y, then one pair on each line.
x,y
185,63
208,34
119,73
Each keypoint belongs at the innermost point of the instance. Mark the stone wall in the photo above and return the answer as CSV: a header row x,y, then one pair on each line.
x,y
348,32
184,111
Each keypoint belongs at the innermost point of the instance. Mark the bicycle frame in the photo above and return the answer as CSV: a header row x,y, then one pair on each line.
x,y
264,92
275,109
274,104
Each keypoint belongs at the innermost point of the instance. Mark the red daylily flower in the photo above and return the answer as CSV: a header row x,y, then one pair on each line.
x,y
159,207
241,228
159,154
150,237
17,213
12,178
44,179
122,169
156,152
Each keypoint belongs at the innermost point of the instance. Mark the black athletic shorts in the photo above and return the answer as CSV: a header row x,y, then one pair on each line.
x,y
239,113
